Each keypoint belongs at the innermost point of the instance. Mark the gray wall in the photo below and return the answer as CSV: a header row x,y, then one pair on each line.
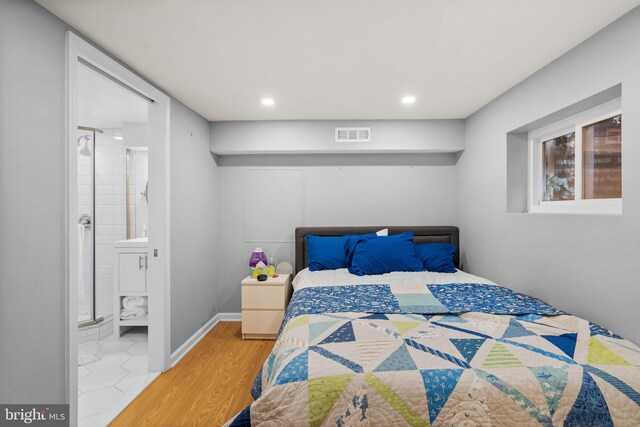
x,y
32,189
32,222
194,198
318,136
586,265
358,189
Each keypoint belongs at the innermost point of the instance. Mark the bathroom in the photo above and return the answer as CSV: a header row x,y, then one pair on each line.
x,y
112,182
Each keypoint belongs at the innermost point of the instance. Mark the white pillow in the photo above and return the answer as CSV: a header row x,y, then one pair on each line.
x,y
384,232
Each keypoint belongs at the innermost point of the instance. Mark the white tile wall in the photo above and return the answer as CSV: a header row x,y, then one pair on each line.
x,y
96,332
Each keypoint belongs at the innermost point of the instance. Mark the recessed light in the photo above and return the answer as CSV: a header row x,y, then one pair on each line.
x,y
409,99
268,102
118,137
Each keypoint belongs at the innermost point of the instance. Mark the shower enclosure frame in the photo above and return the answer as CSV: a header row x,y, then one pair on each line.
x,y
94,318
79,51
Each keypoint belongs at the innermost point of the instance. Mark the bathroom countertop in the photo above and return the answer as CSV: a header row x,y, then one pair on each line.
x,y
140,242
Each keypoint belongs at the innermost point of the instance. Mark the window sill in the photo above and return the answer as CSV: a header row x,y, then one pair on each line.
x,y
575,213
599,207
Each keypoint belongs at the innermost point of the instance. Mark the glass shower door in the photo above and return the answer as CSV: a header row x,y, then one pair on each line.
x,y
86,229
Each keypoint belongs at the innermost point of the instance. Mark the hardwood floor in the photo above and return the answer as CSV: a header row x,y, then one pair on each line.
x,y
207,387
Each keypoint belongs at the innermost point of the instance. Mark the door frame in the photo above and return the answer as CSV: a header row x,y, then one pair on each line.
x,y
159,210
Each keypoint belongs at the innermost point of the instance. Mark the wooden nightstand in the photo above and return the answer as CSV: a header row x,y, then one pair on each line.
x,y
263,306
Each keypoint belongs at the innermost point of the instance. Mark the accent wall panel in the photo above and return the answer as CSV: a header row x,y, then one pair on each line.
x,y
273,204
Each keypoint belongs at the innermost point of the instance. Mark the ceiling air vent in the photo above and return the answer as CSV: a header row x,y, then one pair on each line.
x,y
353,134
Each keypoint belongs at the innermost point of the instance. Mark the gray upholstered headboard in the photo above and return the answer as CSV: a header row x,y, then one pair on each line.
x,y
421,234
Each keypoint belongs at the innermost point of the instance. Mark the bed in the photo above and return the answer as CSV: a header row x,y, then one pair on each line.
x,y
420,348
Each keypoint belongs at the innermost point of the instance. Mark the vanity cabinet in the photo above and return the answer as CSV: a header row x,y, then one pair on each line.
x,y
131,263
132,271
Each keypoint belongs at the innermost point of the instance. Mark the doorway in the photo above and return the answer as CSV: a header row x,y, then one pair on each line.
x,y
117,207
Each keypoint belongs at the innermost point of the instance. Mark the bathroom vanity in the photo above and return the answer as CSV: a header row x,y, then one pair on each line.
x,y
129,280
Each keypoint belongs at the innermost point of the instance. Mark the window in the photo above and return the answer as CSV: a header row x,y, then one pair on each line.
x,y
559,163
602,159
575,165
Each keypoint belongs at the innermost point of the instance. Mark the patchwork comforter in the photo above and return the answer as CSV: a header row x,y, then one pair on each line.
x,y
451,354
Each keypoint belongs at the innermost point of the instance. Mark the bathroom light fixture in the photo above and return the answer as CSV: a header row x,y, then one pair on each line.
x,y
268,102
409,99
118,137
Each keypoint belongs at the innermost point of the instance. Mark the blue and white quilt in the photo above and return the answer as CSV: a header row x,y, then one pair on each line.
x,y
447,354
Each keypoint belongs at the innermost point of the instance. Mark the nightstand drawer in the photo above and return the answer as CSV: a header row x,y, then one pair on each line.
x,y
262,322
263,297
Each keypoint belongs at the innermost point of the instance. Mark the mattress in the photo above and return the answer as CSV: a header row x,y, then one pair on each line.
x,y
435,349
341,277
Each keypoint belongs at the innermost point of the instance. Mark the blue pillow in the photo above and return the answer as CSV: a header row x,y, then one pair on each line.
x,y
379,255
330,253
351,244
326,253
437,257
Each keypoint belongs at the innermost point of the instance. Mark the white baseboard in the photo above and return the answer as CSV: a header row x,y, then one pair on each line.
x,y
230,317
193,340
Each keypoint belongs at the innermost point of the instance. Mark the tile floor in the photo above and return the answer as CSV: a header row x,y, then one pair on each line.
x,y
101,384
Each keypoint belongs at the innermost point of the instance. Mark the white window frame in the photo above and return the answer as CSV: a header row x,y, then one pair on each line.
x,y
575,123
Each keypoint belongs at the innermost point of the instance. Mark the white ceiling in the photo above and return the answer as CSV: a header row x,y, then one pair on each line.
x,y
104,104
337,59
